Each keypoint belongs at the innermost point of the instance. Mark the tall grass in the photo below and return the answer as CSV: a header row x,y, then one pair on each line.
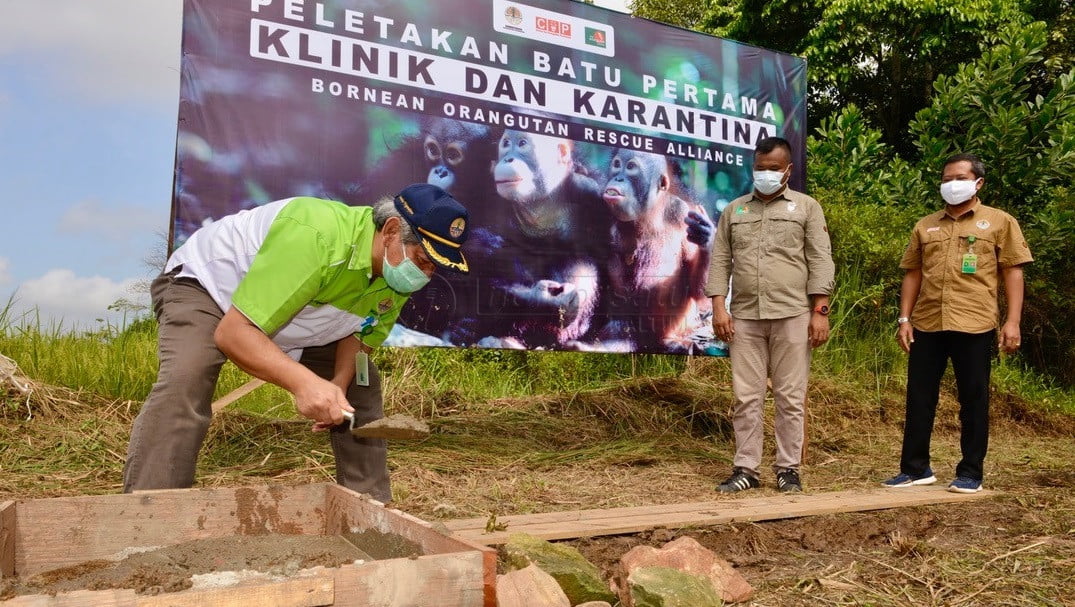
x,y
862,348
120,362
117,361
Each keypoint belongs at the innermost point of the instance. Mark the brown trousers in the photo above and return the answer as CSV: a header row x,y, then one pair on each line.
x,y
778,350
174,420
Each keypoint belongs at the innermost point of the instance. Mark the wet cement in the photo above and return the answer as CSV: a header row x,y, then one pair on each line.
x,y
171,568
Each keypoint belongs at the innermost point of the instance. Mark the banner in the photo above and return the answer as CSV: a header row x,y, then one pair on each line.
x,y
594,151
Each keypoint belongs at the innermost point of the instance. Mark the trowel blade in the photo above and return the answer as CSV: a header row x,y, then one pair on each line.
x,y
393,427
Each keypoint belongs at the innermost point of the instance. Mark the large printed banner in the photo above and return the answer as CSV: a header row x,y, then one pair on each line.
x,y
594,151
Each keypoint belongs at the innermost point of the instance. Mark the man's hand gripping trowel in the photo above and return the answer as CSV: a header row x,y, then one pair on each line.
x,y
391,427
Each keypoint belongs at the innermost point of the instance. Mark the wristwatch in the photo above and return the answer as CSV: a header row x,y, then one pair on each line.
x,y
822,310
902,319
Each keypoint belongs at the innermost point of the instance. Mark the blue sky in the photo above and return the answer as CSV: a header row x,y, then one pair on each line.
x,y
89,92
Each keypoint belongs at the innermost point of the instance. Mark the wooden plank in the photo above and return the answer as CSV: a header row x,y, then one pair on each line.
x,y
61,531
349,512
237,393
628,512
452,572
442,580
307,590
78,598
313,590
819,500
589,523
7,539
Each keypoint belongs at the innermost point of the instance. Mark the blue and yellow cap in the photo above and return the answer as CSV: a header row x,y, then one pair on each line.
x,y
440,222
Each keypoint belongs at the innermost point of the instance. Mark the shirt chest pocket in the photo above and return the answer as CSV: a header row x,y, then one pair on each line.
x,y
745,230
787,229
935,250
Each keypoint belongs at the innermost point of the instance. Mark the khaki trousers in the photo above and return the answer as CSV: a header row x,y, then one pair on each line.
x,y
778,350
173,422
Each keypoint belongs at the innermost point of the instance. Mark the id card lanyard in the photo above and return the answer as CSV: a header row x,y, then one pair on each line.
x,y
970,260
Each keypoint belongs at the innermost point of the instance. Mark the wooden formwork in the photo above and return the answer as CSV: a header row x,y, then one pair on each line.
x,y
45,534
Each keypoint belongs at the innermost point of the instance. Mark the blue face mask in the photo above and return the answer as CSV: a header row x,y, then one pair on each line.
x,y
407,277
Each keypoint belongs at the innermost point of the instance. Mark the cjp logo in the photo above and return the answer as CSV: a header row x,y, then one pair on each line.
x,y
553,27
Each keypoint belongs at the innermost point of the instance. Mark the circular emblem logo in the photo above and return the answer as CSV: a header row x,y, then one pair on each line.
x,y
982,225
513,15
457,227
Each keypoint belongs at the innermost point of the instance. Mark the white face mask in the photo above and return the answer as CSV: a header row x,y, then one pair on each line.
x,y
768,182
959,191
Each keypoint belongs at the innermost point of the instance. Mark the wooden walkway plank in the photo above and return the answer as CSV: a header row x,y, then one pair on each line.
x,y
627,512
614,521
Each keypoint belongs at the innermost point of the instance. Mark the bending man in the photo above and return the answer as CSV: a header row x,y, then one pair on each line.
x,y
291,292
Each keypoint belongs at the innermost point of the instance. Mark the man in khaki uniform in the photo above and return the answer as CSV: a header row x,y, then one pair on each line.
x,y
948,310
774,245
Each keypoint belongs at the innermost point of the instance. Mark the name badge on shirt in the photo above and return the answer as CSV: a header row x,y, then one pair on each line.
x,y
970,263
362,369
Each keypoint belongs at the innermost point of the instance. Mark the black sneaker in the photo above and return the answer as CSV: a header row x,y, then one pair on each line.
x,y
738,481
787,481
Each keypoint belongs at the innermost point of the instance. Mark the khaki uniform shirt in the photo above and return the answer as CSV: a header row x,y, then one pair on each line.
x,y
776,253
951,299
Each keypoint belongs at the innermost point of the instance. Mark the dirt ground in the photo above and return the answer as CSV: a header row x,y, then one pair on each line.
x,y
173,568
984,552
1015,549
660,441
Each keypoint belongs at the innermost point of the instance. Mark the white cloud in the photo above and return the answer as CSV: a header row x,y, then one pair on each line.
x,y
61,296
5,271
114,222
107,49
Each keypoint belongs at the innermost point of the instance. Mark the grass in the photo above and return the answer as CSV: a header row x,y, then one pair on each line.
x,y
120,363
531,432
540,410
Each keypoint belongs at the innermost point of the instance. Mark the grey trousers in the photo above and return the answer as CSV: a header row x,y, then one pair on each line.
x,y
778,350
169,431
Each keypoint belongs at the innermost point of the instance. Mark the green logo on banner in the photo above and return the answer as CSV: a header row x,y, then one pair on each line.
x,y
595,37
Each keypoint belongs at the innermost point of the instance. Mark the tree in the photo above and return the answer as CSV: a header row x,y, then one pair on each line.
x,y
991,107
780,25
1060,50
884,55
688,14
1027,140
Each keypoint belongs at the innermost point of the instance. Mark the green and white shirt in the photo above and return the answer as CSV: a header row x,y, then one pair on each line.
x,y
298,268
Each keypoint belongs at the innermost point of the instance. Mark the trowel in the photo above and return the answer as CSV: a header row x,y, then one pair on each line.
x,y
391,427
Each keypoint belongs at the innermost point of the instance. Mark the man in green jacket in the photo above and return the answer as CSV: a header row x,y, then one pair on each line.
x,y
291,292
